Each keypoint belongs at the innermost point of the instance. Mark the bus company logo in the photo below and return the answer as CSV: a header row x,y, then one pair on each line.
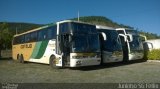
x,y
26,46
51,45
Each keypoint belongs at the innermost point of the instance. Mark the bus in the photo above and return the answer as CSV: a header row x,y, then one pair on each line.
x,y
133,46
63,44
111,47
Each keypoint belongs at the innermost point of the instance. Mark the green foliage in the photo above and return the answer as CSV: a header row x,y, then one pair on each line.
x,y
20,27
149,35
100,20
8,29
5,36
154,54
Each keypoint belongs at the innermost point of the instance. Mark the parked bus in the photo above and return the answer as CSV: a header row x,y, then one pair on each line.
x,y
111,47
151,44
133,46
64,44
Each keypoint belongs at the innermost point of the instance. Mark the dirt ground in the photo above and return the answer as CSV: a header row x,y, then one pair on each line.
x,y
132,72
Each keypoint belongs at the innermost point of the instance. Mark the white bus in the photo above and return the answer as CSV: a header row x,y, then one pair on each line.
x,y
111,47
63,44
152,44
133,46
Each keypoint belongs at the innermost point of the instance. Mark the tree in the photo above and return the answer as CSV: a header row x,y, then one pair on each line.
x,y
5,37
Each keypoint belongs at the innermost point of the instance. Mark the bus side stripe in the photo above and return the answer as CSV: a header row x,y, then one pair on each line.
x,y
36,49
42,49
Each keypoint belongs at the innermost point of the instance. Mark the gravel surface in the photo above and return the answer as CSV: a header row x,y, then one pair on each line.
x,y
132,72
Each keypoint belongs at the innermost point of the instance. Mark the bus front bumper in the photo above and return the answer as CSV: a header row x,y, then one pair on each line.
x,y
84,62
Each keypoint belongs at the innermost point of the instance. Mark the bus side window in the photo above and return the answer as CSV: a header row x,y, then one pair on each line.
x,y
33,36
15,40
64,28
52,31
22,39
42,35
27,37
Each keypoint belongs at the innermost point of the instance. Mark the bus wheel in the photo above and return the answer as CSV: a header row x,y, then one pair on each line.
x,y
125,60
52,62
21,59
18,57
102,62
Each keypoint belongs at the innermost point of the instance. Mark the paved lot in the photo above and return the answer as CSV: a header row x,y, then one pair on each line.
x,y
133,72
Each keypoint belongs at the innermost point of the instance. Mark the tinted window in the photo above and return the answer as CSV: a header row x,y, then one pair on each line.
x,y
64,28
52,31
27,37
18,40
120,31
112,43
21,39
33,36
42,35
133,32
83,28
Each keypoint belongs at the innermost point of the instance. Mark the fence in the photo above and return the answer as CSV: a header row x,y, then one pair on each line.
x,y
6,53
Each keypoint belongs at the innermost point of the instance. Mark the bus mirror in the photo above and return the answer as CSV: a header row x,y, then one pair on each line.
x,y
122,36
104,35
143,38
148,46
129,37
70,38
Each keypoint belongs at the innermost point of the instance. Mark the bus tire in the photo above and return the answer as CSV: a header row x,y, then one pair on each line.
x,y
52,62
102,61
125,60
20,59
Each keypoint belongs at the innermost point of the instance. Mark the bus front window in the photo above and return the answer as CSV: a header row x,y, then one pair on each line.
x,y
85,38
113,42
79,43
94,45
135,44
85,43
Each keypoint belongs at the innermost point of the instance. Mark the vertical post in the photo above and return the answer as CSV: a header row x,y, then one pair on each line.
x,y
78,16
16,30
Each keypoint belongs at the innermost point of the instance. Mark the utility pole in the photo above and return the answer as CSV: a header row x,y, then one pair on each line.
x,y
78,16
16,30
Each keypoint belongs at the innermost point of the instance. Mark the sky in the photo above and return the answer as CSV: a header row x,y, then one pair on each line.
x,y
140,14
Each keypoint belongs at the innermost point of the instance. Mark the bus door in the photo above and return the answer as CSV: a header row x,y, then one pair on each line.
x,y
125,48
65,49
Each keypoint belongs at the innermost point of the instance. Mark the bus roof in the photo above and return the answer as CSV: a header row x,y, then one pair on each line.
x,y
104,27
51,24
36,29
64,21
123,29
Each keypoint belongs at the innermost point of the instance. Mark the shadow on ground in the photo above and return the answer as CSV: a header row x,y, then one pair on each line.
x,y
107,65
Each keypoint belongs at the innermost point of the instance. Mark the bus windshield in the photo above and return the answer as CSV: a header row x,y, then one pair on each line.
x,y
85,43
133,32
136,43
81,28
85,38
112,43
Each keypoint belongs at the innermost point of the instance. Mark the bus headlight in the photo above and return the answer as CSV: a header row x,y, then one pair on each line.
x,y
78,63
85,56
78,57
98,55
